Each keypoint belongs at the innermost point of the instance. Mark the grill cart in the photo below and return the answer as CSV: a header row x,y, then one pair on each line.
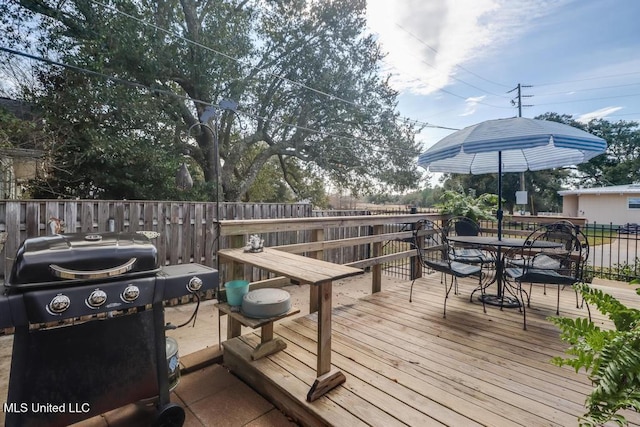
x,y
89,326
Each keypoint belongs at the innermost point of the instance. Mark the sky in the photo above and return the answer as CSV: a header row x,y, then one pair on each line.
x,y
453,62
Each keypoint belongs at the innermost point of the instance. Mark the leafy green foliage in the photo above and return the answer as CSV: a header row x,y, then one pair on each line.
x,y
475,208
313,105
11,127
623,271
611,358
620,164
542,187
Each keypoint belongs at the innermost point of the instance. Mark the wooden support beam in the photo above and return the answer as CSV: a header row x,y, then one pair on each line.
x,y
325,383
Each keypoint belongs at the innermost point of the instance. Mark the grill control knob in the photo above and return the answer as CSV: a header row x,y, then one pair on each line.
x,y
59,303
97,298
194,284
130,293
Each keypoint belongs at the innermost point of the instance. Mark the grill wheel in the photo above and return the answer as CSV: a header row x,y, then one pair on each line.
x,y
171,415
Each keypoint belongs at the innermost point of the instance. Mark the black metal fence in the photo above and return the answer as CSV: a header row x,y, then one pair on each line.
x,y
614,250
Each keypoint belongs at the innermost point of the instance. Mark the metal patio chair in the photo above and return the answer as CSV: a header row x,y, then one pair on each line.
x,y
434,253
560,265
468,253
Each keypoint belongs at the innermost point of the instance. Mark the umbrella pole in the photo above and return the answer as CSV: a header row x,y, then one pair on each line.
x,y
499,264
500,195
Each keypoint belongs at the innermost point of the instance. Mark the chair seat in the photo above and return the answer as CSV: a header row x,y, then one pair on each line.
x,y
458,269
471,255
536,275
542,261
462,269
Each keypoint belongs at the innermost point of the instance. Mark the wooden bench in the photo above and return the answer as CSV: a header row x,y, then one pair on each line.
x,y
268,344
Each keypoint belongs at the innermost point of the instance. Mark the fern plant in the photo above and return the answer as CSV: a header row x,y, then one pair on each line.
x,y
457,203
611,358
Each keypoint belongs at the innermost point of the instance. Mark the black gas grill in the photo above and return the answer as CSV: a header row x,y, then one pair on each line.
x,y
89,326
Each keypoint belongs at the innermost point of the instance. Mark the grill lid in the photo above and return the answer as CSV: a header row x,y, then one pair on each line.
x,y
64,259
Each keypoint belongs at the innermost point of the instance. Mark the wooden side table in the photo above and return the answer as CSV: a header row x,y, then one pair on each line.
x,y
268,344
320,275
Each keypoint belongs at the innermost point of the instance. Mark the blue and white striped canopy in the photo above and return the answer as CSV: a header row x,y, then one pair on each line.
x,y
526,144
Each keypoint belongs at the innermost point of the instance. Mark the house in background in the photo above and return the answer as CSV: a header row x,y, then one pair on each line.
x,y
618,204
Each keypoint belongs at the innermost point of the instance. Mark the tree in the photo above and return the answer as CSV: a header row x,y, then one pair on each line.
x,y
305,74
469,205
620,164
542,187
15,132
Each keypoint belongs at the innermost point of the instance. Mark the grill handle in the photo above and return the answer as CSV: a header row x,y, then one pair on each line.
x,y
65,273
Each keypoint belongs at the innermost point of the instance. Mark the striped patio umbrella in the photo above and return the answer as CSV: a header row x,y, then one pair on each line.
x,y
511,145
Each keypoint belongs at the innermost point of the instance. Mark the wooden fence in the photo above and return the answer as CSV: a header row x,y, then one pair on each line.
x,y
187,230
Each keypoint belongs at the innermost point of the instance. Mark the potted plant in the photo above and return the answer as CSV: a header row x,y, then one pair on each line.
x,y
457,203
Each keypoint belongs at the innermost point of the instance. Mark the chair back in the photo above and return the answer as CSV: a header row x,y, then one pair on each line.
x,y
563,232
583,254
567,259
431,243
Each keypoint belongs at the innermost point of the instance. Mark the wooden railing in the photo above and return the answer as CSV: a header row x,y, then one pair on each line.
x,y
235,235
188,231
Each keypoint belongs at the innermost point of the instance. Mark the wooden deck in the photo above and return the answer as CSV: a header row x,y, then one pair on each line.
x,y
406,365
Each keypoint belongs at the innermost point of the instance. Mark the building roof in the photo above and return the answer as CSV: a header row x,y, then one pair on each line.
x,y
614,189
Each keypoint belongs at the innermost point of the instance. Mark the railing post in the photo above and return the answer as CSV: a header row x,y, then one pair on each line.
x,y
376,275
416,265
412,261
234,269
317,235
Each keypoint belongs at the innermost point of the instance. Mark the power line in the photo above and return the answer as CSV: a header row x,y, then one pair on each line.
x,y
196,101
464,98
592,99
565,92
429,125
519,102
98,74
330,96
457,66
588,79
262,70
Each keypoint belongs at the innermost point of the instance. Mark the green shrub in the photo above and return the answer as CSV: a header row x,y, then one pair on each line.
x,y
611,358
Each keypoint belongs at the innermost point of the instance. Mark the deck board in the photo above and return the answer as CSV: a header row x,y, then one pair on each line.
x,y
407,365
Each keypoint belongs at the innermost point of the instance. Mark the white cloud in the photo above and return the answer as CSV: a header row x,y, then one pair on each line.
x,y
598,114
471,105
427,40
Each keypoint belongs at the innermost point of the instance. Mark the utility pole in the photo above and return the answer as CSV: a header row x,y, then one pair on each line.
x,y
518,101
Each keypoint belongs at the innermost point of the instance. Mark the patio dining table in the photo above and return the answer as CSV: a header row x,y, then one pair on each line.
x,y
494,244
317,273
